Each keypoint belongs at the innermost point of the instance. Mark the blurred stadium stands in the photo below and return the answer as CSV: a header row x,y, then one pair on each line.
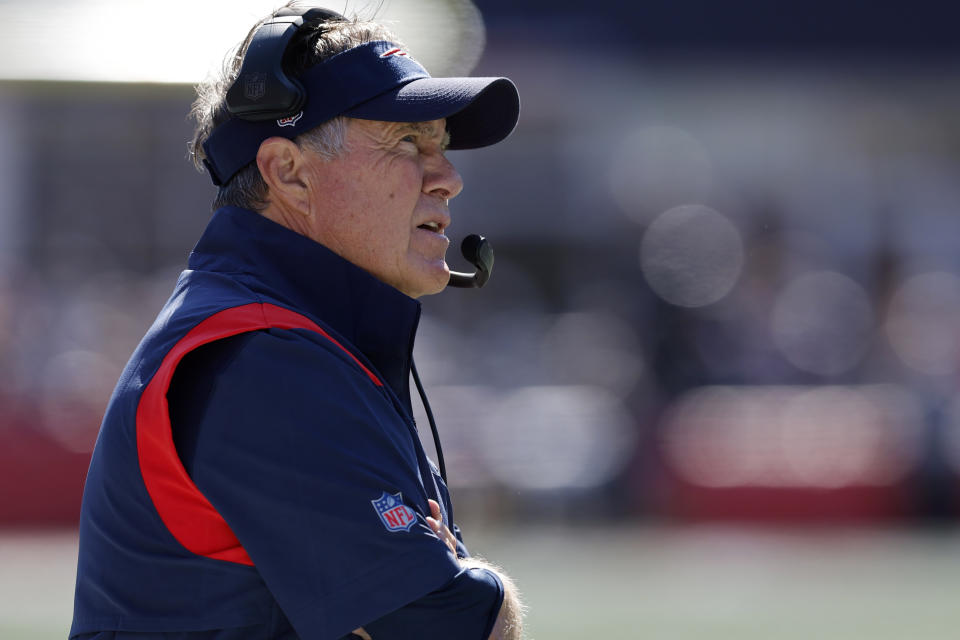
x,y
727,284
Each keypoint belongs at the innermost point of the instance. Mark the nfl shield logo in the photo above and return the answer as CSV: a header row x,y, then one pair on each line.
x,y
394,515
254,85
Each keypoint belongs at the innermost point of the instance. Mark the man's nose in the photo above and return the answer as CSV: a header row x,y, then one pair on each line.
x,y
441,178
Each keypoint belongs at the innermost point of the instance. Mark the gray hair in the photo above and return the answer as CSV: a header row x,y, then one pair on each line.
x,y
310,47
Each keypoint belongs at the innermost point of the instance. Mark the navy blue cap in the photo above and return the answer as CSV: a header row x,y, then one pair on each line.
x,y
374,81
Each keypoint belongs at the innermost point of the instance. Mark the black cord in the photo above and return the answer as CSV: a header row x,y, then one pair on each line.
x,y
433,424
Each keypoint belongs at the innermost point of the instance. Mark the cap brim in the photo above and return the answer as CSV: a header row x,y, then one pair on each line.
x,y
479,111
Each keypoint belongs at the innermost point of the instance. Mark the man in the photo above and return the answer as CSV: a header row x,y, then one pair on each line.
x,y
258,473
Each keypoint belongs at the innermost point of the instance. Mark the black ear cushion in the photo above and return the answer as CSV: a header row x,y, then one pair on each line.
x,y
262,90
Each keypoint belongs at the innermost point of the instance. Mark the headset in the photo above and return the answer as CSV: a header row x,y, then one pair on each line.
x,y
264,91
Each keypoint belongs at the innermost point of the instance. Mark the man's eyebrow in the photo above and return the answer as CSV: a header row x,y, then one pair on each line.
x,y
418,127
427,129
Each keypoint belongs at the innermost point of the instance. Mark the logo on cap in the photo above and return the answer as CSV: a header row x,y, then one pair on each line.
x,y
394,515
290,120
393,52
254,86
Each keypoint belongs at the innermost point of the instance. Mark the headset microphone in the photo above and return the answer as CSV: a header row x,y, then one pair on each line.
x,y
478,252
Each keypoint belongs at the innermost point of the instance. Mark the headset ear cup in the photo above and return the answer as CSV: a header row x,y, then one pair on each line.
x,y
262,91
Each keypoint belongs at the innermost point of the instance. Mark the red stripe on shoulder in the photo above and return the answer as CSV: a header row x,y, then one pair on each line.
x,y
187,514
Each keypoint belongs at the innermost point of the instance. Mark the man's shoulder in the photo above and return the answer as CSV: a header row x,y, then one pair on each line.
x,y
305,351
275,349
207,306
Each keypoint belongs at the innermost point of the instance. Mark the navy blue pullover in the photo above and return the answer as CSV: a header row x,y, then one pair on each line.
x,y
258,473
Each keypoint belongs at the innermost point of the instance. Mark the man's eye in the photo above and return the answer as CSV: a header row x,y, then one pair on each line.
x,y
410,138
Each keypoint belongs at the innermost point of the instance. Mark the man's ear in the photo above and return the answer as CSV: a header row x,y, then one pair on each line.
x,y
281,164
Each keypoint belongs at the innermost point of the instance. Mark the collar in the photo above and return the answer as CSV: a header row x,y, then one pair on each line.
x,y
377,319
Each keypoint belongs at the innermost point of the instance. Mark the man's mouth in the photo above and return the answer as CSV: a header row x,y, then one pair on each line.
x,y
430,226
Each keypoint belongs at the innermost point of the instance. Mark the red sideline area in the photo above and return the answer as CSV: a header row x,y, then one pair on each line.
x,y
41,481
765,505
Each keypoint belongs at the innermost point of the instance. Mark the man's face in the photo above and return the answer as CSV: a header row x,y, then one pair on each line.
x,y
382,204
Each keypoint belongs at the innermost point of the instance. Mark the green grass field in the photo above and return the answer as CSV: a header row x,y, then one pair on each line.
x,y
649,583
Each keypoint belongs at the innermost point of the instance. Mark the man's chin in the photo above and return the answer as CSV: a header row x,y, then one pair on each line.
x,y
418,278
432,291
430,283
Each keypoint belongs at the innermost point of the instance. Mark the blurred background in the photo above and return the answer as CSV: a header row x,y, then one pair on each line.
x,y
711,389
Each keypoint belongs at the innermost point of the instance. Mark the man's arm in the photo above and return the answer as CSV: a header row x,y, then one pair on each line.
x,y
464,608
509,623
288,444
